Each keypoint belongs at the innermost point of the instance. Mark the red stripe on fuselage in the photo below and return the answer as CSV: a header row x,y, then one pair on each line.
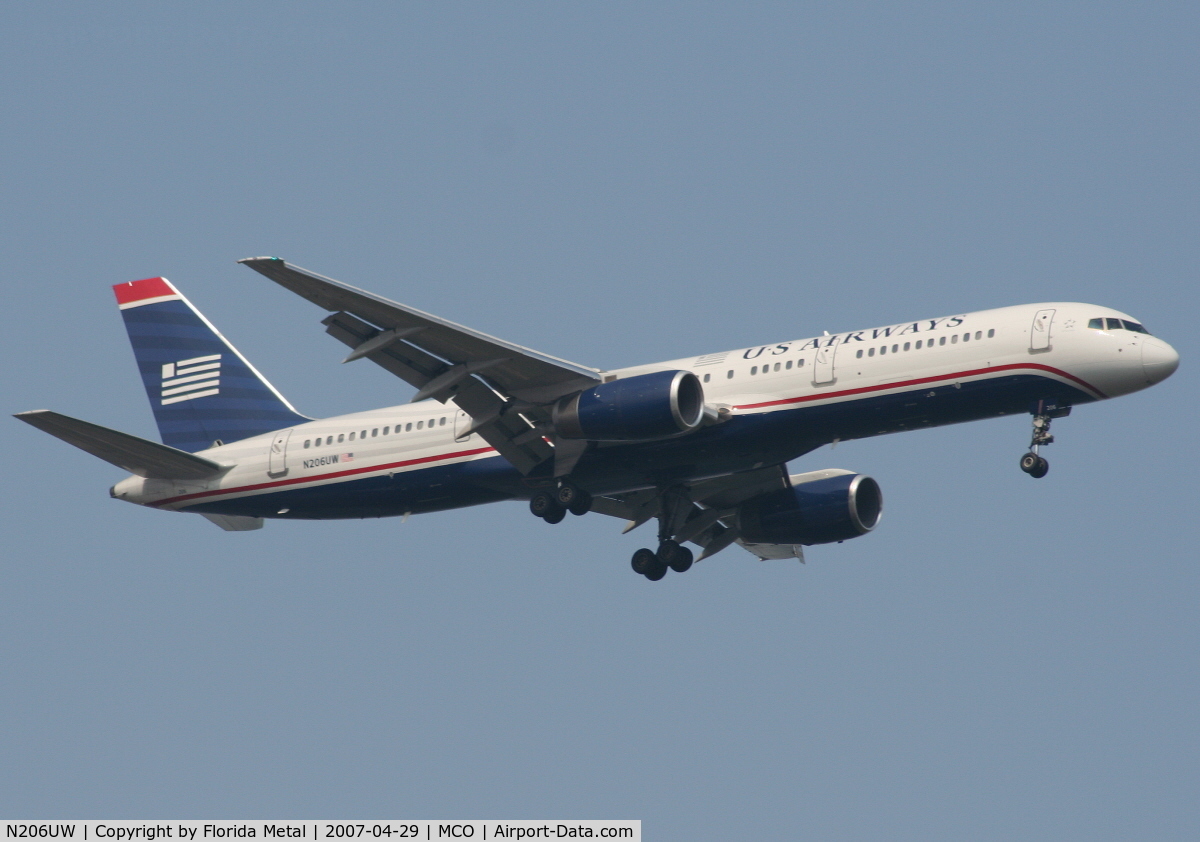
x,y
781,402
331,475
900,384
143,289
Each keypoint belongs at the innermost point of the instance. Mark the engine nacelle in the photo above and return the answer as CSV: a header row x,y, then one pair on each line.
x,y
819,508
641,408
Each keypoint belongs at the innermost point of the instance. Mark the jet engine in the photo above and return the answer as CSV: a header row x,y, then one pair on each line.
x,y
819,508
641,408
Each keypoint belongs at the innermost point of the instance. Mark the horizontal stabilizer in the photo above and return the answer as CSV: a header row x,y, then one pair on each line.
x,y
136,455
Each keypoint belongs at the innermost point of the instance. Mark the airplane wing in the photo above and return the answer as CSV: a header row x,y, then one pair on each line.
x,y
505,388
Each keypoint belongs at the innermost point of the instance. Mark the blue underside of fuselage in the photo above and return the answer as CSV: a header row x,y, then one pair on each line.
x,y
740,444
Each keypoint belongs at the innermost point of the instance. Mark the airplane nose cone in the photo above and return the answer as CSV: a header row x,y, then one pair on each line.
x,y
1159,360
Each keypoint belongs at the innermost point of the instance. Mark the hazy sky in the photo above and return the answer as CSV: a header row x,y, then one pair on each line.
x,y
612,183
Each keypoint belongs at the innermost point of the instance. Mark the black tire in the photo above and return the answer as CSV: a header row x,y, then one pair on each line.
x,y
657,572
1030,461
677,557
682,560
573,498
546,507
1041,469
581,505
643,560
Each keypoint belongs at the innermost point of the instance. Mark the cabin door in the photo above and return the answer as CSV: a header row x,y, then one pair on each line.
x,y
1039,334
277,459
462,423
823,365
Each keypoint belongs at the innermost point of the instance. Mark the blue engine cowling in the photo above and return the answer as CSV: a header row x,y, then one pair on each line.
x,y
819,511
641,408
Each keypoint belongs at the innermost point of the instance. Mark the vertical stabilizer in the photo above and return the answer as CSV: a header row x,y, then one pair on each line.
x,y
200,388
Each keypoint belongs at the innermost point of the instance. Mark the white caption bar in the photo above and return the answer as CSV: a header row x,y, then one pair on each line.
x,y
393,829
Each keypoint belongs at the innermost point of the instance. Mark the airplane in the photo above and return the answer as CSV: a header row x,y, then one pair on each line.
x,y
699,444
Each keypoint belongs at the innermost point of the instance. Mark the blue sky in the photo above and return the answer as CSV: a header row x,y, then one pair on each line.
x,y
614,184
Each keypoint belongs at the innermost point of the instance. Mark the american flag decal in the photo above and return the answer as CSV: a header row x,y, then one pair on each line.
x,y
187,380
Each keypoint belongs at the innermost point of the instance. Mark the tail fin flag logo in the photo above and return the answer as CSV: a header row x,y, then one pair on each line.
x,y
189,379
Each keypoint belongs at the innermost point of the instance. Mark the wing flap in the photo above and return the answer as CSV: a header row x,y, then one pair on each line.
x,y
134,454
418,368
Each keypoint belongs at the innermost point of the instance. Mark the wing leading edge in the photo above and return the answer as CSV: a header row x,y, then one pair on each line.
x,y
505,388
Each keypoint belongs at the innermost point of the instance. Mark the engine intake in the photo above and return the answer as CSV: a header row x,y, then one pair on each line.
x,y
641,408
819,508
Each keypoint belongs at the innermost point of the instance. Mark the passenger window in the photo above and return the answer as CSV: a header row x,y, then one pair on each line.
x,y
754,369
919,344
352,437
907,345
420,424
363,434
979,334
800,363
1114,324
858,354
706,377
729,375
966,337
991,333
306,441
942,340
895,348
883,350
341,437
329,440
385,429
374,432
954,339
408,427
431,422
870,352
442,421
1096,324
788,365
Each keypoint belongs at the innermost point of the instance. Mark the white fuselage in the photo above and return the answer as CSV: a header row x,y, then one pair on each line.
x,y
1051,340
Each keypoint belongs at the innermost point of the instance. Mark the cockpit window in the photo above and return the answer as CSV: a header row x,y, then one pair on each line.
x,y
1117,324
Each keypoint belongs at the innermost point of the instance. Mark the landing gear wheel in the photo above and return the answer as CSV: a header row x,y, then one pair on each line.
x,y
1034,465
573,498
675,556
657,572
644,561
544,505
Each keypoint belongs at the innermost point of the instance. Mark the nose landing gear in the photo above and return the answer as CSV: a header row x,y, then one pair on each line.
x,y
1033,463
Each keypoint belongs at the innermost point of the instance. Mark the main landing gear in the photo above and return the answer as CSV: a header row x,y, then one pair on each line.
x,y
552,505
1033,463
654,565
674,508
